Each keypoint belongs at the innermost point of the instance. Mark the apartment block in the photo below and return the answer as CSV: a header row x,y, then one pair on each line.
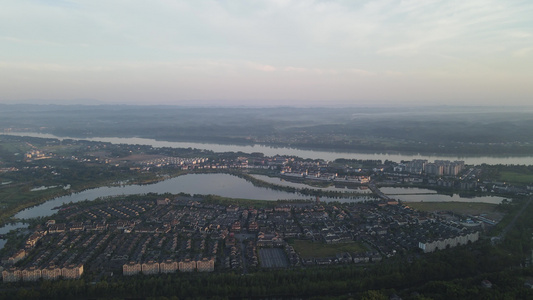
x,y
168,266
187,265
51,273
72,271
131,268
150,268
11,275
206,264
31,274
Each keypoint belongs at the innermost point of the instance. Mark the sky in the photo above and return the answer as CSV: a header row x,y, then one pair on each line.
x,y
267,53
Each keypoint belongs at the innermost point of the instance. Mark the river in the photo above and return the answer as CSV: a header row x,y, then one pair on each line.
x,y
312,154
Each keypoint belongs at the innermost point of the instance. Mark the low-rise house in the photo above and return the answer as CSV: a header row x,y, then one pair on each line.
x,y
361,258
19,255
77,226
324,261
269,240
56,228
344,258
34,238
164,201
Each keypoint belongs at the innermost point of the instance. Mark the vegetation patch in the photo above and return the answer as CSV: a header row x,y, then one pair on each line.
x,y
310,249
239,201
463,208
517,177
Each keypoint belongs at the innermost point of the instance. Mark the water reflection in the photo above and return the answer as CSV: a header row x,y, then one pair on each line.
x,y
282,182
425,195
7,228
227,186
224,185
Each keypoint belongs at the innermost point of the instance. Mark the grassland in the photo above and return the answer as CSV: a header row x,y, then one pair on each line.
x,y
516,177
463,208
309,249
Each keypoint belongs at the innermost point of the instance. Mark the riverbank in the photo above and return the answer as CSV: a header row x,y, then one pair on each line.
x,y
26,198
378,154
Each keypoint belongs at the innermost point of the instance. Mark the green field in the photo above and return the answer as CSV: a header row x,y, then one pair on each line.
x,y
473,208
516,178
309,249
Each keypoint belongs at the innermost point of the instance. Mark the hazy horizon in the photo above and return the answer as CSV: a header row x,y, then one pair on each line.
x,y
92,102
267,53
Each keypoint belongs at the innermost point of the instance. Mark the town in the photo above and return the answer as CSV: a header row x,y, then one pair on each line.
x,y
143,235
454,175
130,237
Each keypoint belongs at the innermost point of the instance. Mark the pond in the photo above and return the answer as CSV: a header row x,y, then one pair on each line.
x,y
425,195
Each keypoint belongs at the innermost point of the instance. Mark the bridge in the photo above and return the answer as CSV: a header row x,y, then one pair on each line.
x,y
376,191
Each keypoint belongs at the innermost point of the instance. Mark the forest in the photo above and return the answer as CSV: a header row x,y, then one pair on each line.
x,y
440,130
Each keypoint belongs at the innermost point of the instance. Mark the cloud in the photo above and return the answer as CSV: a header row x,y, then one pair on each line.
x,y
52,67
524,52
295,69
261,67
361,72
293,46
393,73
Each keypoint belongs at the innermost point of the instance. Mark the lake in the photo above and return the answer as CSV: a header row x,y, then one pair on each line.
x,y
313,154
7,228
227,186
224,185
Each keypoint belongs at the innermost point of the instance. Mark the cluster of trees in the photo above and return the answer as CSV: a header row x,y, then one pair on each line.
x,y
449,274
519,175
304,191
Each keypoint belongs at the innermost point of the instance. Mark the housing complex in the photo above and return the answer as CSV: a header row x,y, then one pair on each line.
x,y
130,237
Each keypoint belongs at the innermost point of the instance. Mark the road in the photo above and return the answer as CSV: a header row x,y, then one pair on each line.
x,y
376,191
